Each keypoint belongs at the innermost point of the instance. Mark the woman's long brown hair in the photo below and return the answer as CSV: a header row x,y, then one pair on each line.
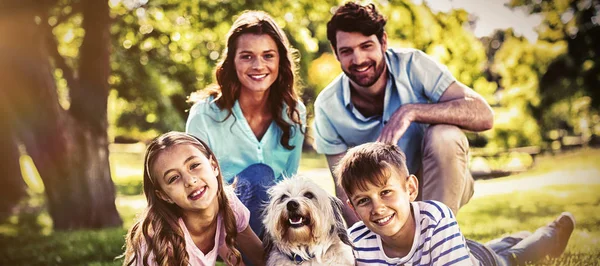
x,y
282,92
158,226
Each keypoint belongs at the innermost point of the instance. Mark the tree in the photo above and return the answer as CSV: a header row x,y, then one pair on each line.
x,y
520,65
569,88
69,145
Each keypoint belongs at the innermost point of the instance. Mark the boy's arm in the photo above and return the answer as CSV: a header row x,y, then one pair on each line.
x,y
349,216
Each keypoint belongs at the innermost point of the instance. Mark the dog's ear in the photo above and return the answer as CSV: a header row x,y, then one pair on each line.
x,y
339,228
267,241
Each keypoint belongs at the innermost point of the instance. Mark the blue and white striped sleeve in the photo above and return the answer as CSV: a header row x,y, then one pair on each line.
x,y
366,249
448,244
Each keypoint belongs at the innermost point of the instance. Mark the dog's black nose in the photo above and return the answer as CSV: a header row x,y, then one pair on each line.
x,y
292,205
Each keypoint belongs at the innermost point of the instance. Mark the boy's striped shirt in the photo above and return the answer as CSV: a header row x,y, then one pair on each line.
x,y
438,240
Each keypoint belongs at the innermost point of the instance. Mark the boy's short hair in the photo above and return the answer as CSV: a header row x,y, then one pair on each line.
x,y
353,17
369,163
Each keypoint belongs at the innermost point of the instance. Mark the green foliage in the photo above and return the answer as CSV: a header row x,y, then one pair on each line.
x,y
571,76
520,65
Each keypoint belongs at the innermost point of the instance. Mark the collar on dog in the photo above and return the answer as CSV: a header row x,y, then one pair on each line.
x,y
297,259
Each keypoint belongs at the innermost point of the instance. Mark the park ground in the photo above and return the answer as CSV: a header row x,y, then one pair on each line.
x,y
567,181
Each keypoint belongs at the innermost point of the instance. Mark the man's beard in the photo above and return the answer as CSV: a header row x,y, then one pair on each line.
x,y
369,80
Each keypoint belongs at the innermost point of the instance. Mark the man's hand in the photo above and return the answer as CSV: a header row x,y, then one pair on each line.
x,y
397,125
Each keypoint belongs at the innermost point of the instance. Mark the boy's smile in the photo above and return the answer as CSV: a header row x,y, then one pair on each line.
x,y
384,221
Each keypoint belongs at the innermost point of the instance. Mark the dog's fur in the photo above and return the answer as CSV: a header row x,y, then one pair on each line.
x,y
303,225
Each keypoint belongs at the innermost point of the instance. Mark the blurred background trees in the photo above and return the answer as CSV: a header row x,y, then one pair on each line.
x,y
568,96
54,108
165,50
78,74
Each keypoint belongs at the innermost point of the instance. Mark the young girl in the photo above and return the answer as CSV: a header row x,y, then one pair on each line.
x,y
191,217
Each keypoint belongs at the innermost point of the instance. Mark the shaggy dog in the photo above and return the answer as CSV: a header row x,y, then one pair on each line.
x,y
303,225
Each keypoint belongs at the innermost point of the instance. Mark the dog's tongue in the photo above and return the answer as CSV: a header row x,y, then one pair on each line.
x,y
296,220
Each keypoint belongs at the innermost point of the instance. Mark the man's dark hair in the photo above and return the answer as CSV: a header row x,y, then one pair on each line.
x,y
353,17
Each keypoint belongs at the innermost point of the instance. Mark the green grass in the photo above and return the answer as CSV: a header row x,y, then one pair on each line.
x,y
490,217
26,239
84,247
127,169
587,157
312,160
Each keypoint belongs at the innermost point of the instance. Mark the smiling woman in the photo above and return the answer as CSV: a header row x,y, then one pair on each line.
x,y
252,117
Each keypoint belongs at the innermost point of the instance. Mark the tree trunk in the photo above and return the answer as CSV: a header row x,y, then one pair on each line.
x,y
69,148
12,187
13,103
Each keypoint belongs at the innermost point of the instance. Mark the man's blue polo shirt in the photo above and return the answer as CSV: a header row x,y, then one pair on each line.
x,y
414,77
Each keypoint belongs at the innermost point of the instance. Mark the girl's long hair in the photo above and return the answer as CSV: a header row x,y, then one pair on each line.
x,y
158,226
282,92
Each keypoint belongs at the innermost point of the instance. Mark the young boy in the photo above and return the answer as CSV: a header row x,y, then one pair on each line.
x,y
396,230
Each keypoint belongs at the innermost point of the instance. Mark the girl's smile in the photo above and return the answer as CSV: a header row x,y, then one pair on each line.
x,y
197,193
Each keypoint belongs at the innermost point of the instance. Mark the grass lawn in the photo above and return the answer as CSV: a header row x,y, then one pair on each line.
x,y
486,218
565,182
505,206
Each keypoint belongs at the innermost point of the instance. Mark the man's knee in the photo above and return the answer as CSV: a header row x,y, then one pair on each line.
x,y
446,176
442,137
